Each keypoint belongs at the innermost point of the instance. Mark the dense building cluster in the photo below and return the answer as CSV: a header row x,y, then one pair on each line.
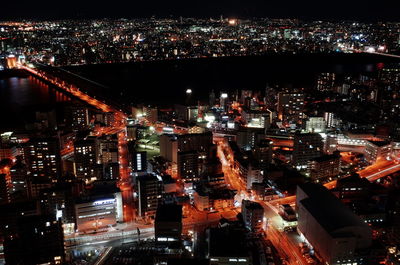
x,y
279,176
111,41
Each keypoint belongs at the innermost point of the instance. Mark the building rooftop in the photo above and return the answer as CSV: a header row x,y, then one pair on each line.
x,y
324,158
227,242
379,143
331,214
169,213
252,205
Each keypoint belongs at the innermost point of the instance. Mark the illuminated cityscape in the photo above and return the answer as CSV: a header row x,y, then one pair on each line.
x,y
243,140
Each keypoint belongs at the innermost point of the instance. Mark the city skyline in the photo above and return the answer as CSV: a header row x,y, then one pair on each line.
x,y
240,139
308,10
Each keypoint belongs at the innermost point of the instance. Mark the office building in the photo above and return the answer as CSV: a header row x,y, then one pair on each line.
x,y
326,81
227,245
253,215
168,225
247,137
139,161
306,146
188,166
291,107
330,228
169,147
150,192
100,209
42,156
85,158
151,113
263,154
323,167
171,144
35,240
316,125
375,150
19,179
5,188
80,117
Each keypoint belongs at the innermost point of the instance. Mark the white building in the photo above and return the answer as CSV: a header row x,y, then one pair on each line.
x,y
98,212
315,125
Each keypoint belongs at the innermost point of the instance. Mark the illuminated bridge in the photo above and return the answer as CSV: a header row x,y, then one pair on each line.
x,y
118,127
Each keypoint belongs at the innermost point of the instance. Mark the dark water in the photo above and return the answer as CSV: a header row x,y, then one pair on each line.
x,y
21,97
166,81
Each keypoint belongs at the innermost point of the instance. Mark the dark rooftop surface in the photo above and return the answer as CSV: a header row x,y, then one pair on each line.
x,y
227,242
169,213
327,209
379,143
325,158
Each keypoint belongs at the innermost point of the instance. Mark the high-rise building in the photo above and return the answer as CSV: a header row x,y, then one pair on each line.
x,y
150,191
188,166
18,174
227,245
306,146
324,166
5,188
85,158
326,81
330,120
200,142
35,240
263,154
248,137
151,113
375,150
107,149
80,117
139,161
212,98
42,155
253,215
168,225
171,144
169,147
315,125
224,100
291,107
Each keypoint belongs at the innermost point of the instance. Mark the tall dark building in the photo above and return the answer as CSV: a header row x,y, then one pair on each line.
x,y
36,240
42,155
200,142
306,147
212,98
139,161
188,166
291,106
5,187
150,190
168,225
85,157
80,117
263,154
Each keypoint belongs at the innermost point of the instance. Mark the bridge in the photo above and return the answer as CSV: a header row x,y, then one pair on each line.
x,y
118,127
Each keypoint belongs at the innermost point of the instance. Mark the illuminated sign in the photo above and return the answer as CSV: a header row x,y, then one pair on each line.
x,y
101,202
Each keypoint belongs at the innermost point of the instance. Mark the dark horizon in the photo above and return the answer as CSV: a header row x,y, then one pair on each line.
x,y
310,10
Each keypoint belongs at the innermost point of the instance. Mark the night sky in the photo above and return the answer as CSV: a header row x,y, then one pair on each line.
x,y
304,9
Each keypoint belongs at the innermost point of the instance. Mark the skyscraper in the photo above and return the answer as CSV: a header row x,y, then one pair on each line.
x,y
85,157
42,155
291,107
